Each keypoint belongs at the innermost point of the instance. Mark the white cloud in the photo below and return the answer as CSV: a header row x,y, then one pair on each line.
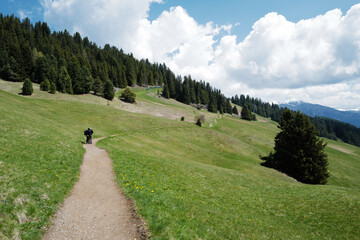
x,y
315,60
104,21
24,14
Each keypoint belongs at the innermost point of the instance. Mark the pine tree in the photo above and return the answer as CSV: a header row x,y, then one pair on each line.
x,y
97,86
212,107
52,88
27,88
128,96
298,152
228,107
45,85
253,117
65,79
235,111
165,92
123,82
108,92
245,113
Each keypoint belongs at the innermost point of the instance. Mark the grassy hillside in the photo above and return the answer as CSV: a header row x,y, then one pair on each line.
x,y
187,182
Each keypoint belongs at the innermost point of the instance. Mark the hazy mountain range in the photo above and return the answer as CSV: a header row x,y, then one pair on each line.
x,y
312,110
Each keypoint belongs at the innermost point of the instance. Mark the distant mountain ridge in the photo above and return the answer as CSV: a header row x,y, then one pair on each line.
x,y
312,110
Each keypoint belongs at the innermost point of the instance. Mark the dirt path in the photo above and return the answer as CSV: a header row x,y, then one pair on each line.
x,y
96,208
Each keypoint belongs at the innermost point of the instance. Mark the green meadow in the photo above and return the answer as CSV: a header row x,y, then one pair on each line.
x,y
187,182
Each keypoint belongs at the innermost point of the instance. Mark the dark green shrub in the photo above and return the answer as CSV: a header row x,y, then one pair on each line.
x,y
27,88
52,88
128,96
45,85
253,117
198,122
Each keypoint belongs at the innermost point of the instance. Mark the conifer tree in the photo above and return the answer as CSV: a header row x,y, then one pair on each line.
x,y
228,107
52,88
298,152
97,86
27,88
64,79
245,113
128,96
45,85
235,111
253,117
212,107
165,92
123,82
108,92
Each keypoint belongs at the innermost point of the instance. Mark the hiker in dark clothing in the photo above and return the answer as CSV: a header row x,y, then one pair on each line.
x,y
88,133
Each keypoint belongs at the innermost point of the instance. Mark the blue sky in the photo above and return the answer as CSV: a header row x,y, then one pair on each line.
x,y
275,50
248,12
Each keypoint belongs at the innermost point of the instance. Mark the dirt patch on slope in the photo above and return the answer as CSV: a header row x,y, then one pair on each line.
x,y
344,150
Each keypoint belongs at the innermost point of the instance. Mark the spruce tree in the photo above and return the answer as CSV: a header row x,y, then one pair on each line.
x,y
97,86
245,113
253,117
108,92
298,152
45,85
128,96
52,88
235,111
212,107
165,92
27,88
123,82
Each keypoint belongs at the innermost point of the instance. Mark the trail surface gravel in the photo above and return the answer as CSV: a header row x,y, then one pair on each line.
x,y
96,208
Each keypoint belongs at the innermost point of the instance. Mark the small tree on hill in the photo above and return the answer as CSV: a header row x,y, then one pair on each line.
x,y
235,111
97,86
253,117
27,88
45,85
166,92
52,88
128,96
108,92
200,120
245,113
298,152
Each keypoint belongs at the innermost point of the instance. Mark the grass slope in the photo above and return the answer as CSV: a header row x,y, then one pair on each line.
x,y
187,182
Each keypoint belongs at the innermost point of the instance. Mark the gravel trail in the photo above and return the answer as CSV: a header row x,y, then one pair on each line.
x,y
96,207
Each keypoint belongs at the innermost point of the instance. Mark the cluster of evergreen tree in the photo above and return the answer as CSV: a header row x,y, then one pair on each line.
x,y
326,127
334,129
187,90
259,107
74,64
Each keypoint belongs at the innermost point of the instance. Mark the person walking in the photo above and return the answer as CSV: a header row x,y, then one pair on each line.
x,y
88,133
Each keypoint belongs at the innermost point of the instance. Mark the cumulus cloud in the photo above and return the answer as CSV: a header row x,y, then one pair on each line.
x,y
104,21
24,14
315,60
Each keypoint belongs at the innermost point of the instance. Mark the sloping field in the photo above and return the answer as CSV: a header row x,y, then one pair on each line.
x,y
187,182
